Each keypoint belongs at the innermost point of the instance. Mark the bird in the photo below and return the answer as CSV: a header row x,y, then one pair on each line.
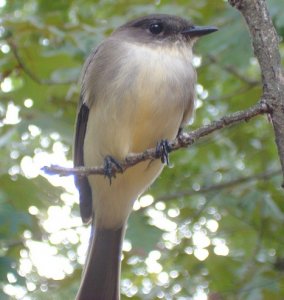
x,y
137,91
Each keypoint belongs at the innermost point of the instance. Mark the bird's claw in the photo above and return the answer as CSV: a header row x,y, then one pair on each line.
x,y
162,150
111,166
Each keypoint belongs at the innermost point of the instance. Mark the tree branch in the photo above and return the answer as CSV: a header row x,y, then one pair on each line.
x,y
183,140
265,44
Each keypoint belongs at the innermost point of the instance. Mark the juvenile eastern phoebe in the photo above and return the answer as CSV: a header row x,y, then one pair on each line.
x,y
138,88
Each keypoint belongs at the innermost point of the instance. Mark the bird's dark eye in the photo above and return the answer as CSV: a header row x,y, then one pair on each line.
x,y
156,28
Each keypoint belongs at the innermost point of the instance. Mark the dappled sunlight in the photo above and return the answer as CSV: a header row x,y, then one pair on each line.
x,y
151,262
159,219
60,218
220,247
200,294
212,225
47,261
2,3
201,253
143,201
200,239
6,87
64,228
12,112
15,290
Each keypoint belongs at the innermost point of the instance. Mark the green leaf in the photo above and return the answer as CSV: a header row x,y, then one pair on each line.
x,y
143,236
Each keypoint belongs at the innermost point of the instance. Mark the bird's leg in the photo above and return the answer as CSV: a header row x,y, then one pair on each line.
x,y
180,130
111,166
179,137
162,150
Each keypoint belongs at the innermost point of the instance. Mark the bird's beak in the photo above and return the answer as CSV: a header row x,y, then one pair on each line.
x,y
196,31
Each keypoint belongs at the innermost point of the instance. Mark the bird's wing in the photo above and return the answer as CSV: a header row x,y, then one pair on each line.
x,y
82,183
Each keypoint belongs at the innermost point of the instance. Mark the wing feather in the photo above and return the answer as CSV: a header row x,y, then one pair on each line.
x,y
82,183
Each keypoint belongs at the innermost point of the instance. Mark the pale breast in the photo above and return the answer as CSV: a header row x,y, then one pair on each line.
x,y
164,93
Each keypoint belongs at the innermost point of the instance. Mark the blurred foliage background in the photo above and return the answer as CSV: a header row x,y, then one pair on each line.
x,y
210,228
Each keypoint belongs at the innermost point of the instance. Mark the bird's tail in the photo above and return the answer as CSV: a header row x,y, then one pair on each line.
x,y
101,275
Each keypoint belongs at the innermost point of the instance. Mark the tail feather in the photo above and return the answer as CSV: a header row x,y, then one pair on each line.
x,y
101,275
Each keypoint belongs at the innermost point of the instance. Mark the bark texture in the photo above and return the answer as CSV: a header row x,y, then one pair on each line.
x,y
265,43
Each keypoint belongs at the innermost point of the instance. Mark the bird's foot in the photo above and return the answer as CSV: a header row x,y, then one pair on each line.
x,y
180,137
180,130
111,167
162,150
